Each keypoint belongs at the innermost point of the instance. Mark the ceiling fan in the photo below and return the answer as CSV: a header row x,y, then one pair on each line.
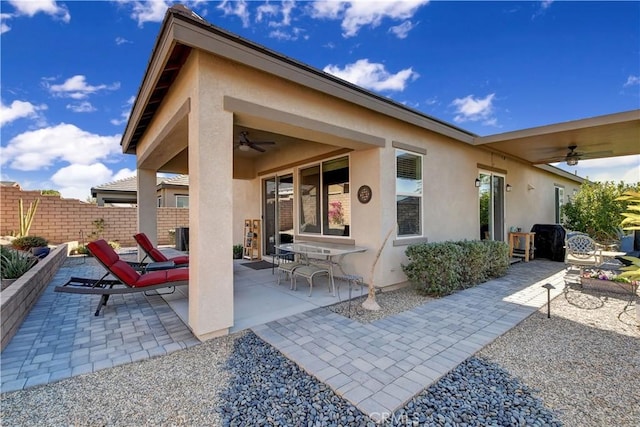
x,y
245,144
572,157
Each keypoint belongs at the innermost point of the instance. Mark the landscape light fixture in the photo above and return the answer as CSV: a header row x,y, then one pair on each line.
x,y
548,287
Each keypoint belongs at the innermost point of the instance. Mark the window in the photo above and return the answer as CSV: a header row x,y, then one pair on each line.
x,y
408,193
182,201
559,196
325,202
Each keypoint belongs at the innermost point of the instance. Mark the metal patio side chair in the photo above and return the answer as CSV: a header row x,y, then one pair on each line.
x,y
581,252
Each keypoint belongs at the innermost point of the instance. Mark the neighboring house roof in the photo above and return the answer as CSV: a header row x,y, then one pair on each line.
x,y
9,184
130,184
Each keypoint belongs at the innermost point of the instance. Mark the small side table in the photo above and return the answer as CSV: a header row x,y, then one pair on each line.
x,y
529,238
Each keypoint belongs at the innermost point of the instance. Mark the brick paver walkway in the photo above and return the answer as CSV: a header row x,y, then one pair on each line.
x,y
380,366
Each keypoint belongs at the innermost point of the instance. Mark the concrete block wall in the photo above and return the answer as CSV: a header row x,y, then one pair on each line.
x,y
18,298
62,220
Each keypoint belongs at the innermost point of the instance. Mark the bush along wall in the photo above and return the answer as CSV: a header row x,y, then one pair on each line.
x,y
442,268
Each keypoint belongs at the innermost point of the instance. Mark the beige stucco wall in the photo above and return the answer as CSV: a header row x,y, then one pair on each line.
x,y
450,200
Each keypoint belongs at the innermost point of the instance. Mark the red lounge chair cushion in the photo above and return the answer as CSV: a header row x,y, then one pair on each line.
x,y
110,259
181,259
155,254
163,276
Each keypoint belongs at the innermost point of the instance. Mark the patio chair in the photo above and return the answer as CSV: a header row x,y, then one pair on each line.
x,y
582,251
285,262
127,279
155,254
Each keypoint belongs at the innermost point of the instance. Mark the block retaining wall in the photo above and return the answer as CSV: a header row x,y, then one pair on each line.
x,y
63,220
18,299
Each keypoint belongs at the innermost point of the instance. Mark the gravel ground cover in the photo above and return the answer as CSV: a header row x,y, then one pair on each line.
x,y
578,368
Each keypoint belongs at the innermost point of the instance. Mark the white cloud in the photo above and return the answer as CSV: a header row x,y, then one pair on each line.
x,y
76,87
470,109
81,107
124,116
49,7
122,40
546,4
616,169
402,31
33,150
4,27
75,181
18,110
358,14
372,75
148,11
236,8
632,81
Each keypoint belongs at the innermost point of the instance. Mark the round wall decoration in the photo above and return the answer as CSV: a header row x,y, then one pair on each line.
x,y
364,194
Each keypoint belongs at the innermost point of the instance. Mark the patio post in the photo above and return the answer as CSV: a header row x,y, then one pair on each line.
x,y
147,211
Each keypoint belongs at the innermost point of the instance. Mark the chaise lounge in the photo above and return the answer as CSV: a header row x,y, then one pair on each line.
x,y
127,279
155,254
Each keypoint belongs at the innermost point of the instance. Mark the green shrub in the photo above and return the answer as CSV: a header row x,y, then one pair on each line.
x,y
434,268
27,242
115,245
444,267
498,258
473,267
15,263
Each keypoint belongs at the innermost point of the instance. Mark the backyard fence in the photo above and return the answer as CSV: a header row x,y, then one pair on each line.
x,y
62,220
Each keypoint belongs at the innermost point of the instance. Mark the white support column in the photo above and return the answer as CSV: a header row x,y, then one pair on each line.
x,y
147,210
210,218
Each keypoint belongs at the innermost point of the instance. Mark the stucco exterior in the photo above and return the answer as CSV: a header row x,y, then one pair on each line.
x,y
216,93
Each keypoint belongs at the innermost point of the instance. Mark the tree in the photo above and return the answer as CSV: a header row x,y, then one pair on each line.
x,y
631,221
370,303
596,209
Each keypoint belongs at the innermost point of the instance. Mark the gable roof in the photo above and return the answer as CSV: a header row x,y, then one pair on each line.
x,y
181,31
130,184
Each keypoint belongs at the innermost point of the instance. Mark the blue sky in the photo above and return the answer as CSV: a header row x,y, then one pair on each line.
x,y
71,69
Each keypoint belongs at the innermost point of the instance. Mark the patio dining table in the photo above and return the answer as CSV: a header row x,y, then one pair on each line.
x,y
330,253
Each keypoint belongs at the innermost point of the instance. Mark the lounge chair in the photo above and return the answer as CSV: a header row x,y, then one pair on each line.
x,y
155,254
127,279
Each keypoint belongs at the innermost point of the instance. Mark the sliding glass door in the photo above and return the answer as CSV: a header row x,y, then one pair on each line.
x,y
277,198
491,194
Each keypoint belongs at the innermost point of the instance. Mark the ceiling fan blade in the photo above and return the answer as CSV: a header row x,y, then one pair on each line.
x,y
263,142
595,154
257,147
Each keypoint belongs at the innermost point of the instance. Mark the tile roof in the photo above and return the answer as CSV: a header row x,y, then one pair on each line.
x,y
130,184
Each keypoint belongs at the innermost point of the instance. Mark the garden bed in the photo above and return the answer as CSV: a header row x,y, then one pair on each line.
x,y
608,286
19,298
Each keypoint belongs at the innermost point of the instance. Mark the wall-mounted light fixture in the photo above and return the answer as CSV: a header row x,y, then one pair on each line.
x,y
477,182
530,187
509,188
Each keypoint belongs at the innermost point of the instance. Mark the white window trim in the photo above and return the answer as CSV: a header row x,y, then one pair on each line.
x,y
420,153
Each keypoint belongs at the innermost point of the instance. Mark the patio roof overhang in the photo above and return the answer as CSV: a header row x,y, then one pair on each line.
x,y
605,136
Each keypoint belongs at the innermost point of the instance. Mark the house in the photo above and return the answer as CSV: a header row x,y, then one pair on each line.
x,y
171,192
249,125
